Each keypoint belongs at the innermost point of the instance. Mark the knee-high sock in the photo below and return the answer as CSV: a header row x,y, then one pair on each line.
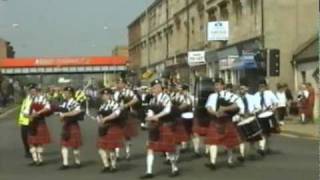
x,y
39,153
113,159
64,153
242,148
177,155
196,143
33,151
76,154
104,157
167,156
184,145
150,159
117,151
230,156
303,117
128,145
213,149
207,150
262,143
173,161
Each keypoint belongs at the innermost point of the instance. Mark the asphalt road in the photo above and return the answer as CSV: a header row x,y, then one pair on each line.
x,y
293,159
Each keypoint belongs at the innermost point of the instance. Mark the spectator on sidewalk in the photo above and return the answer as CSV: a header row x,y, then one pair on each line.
x,y
289,97
311,101
302,100
282,103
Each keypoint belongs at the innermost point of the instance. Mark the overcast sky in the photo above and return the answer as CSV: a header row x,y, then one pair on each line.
x,y
67,27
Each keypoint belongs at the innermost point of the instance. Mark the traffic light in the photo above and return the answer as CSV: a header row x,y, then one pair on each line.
x,y
274,62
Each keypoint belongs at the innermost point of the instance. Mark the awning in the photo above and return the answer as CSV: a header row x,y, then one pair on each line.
x,y
245,62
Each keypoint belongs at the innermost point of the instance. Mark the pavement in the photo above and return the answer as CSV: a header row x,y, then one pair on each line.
x,y
292,158
293,128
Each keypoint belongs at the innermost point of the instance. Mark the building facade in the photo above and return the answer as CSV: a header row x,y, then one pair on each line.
x,y
161,37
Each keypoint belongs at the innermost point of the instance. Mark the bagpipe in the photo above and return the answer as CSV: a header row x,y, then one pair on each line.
x,y
34,122
73,119
103,128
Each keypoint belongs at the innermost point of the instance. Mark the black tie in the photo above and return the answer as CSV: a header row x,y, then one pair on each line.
x,y
245,102
262,102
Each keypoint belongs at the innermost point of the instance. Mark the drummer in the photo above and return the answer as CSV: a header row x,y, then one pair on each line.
x,y
251,107
268,103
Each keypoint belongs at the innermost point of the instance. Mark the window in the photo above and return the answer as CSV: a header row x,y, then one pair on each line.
x,y
303,76
237,8
212,14
253,6
224,11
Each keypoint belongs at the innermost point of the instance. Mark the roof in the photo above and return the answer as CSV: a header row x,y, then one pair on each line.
x,y
308,50
62,62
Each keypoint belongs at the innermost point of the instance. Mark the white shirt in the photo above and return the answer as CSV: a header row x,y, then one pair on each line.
x,y
228,96
270,100
253,103
282,100
164,100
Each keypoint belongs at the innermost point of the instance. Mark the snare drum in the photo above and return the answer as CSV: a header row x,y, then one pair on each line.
x,y
188,116
249,128
268,122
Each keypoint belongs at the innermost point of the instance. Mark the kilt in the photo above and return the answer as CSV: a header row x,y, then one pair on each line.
x,y
181,132
74,139
131,127
166,141
113,138
227,136
199,128
303,107
41,136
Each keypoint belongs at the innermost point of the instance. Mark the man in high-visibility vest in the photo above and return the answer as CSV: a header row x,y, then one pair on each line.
x,y
23,122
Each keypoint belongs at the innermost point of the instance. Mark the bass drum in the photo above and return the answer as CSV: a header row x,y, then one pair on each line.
x,y
203,88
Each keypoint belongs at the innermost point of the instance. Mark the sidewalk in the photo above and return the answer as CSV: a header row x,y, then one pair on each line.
x,y
4,111
294,128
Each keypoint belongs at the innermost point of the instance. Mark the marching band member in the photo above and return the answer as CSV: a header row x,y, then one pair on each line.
x,y
222,105
110,131
282,106
161,135
251,107
70,114
268,102
126,98
38,131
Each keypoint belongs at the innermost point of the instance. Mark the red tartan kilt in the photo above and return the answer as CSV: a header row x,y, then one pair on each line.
x,y
113,139
75,140
229,139
303,107
42,136
199,129
131,128
166,142
181,133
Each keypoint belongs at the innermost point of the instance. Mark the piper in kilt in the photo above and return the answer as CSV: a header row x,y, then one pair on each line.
x,y
70,114
38,133
111,135
160,127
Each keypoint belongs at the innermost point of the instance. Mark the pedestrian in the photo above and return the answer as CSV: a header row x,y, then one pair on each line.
x,y
303,103
282,103
311,101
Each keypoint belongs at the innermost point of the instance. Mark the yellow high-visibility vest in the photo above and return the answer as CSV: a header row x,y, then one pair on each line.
x,y
80,96
26,104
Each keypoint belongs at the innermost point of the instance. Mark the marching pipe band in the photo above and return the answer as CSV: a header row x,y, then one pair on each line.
x,y
174,122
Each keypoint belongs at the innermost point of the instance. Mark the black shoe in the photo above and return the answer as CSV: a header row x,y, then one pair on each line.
x,y
40,164
211,166
167,162
113,170
33,163
231,165
197,155
63,167
147,176
241,159
105,170
262,153
77,166
175,173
